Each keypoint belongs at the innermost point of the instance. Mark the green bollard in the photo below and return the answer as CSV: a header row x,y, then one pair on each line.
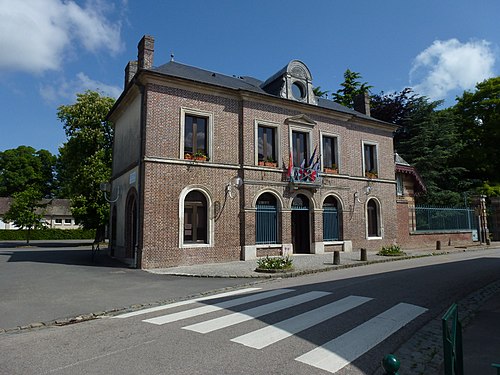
x,y
391,364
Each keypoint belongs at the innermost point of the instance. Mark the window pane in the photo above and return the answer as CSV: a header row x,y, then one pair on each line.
x,y
261,143
188,224
188,135
201,135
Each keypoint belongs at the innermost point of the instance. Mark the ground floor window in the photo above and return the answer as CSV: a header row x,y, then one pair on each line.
x,y
331,222
373,218
266,220
195,218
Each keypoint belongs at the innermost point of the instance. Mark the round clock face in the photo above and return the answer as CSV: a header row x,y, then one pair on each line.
x,y
298,91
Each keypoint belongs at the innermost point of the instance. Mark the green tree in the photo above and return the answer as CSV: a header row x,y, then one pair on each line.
x,y
479,118
432,144
24,166
351,88
85,159
26,211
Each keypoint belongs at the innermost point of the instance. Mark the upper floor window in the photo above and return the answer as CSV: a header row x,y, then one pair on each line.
x,y
370,162
196,134
330,153
300,147
399,185
267,146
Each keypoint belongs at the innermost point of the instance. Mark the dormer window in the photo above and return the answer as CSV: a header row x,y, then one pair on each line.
x,y
293,82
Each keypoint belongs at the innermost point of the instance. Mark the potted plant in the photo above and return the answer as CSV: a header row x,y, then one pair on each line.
x,y
200,156
372,173
269,162
331,169
188,156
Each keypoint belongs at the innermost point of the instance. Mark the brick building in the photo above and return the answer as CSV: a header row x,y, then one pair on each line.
x,y
214,168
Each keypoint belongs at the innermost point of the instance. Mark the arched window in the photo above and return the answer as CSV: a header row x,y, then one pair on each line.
x,y
331,219
195,218
266,231
373,218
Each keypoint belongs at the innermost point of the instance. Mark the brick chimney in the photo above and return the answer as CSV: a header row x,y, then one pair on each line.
x,y
130,71
145,52
362,103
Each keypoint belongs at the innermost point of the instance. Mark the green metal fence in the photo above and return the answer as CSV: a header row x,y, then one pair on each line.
x,y
443,219
452,342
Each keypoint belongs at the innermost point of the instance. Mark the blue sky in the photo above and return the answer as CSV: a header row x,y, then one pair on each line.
x,y
53,49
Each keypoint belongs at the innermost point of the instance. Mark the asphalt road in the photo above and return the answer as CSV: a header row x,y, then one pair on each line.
x,y
51,281
393,301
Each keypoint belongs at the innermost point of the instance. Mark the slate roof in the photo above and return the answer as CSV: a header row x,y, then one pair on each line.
x,y
175,69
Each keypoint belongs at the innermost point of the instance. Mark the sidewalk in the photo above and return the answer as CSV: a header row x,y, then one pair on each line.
x,y
305,263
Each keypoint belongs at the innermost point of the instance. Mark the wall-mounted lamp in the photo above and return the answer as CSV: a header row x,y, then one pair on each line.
x,y
231,188
234,184
106,188
369,187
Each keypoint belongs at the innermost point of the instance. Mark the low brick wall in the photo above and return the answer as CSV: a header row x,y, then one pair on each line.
x,y
411,239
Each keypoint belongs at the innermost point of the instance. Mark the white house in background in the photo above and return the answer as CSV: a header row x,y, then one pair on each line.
x,y
57,214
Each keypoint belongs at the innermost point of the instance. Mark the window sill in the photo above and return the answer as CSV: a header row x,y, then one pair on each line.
x,y
194,245
374,238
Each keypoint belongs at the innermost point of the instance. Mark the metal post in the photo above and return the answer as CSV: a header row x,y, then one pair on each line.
x,y
390,364
364,257
336,257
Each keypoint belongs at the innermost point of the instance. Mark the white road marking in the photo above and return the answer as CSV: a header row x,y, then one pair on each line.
x,y
236,318
341,351
187,302
279,331
210,308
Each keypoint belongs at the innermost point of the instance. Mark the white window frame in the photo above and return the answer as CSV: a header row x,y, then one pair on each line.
x,y
210,217
198,113
330,135
370,143
277,138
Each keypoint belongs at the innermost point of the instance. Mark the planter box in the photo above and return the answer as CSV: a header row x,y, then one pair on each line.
x,y
331,170
270,164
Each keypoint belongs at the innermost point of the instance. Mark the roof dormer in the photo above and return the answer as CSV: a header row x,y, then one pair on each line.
x,y
293,82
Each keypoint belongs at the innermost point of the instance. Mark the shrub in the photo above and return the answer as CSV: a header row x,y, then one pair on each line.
x,y
275,263
393,250
47,234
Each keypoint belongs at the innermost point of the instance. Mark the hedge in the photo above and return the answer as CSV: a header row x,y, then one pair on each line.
x,y
47,234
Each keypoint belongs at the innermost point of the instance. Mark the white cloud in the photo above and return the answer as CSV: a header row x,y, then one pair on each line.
x,y
449,65
35,35
65,91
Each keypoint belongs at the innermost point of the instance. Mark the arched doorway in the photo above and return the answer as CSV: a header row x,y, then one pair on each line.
x,y
131,225
301,232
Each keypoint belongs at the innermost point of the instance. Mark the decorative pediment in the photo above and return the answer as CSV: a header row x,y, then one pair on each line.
x,y
301,119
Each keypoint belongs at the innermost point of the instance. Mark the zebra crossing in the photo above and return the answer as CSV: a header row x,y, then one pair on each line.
x,y
331,356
